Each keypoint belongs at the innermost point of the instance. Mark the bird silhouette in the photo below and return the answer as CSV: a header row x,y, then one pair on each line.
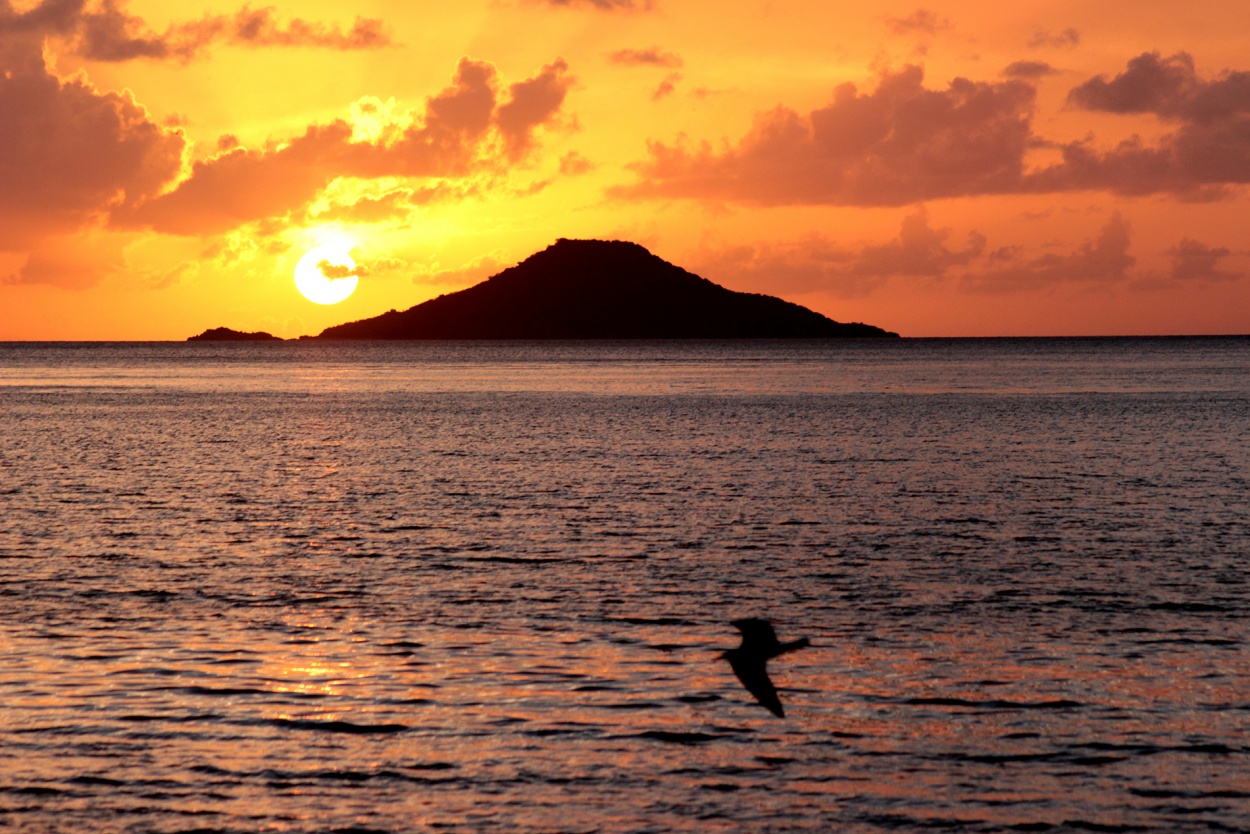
x,y
750,660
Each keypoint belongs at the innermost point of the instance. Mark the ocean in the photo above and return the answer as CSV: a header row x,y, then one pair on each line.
x,y
409,587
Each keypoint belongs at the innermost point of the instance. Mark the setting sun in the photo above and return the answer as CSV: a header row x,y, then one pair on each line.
x,y
327,274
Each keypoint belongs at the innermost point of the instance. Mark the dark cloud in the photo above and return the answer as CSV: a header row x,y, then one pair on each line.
x,y
111,34
108,32
262,27
466,132
646,57
924,21
1208,150
1169,88
1028,69
1151,84
69,152
1066,39
1131,168
58,17
1194,261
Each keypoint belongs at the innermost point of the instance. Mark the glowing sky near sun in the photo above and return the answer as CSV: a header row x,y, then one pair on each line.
x,y
964,168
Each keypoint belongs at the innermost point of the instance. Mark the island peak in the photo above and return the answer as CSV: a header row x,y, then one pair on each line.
x,y
600,289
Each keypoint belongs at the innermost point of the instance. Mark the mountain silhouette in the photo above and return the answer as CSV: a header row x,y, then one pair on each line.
x,y
599,289
225,334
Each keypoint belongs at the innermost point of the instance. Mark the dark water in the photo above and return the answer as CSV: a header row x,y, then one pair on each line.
x,y
387,588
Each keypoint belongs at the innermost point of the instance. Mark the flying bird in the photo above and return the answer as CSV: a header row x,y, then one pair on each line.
x,y
750,660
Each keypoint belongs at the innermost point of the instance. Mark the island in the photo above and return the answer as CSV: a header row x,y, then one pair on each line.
x,y
225,334
600,289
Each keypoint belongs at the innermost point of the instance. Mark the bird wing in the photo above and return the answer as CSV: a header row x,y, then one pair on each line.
x,y
801,643
754,676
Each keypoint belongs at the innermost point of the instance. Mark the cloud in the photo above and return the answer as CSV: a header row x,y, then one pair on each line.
x,y
113,35
393,205
465,132
239,186
896,145
336,271
1066,39
76,265
924,21
1208,150
531,103
646,57
903,143
261,27
342,200
601,5
1131,168
160,279
1194,261
920,252
666,87
472,272
73,158
573,164
386,264
455,120
1169,88
652,57
69,152
49,17
1151,84
108,32
1102,259
816,264
1028,69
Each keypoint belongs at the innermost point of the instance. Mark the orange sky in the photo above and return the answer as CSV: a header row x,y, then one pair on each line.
x,y
968,168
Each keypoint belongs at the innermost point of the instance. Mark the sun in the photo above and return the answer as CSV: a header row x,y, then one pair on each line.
x,y
327,274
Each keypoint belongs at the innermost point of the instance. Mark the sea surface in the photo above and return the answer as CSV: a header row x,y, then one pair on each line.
x,y
305,587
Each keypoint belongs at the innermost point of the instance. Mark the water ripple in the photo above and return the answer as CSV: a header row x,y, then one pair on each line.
x,y
244,602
